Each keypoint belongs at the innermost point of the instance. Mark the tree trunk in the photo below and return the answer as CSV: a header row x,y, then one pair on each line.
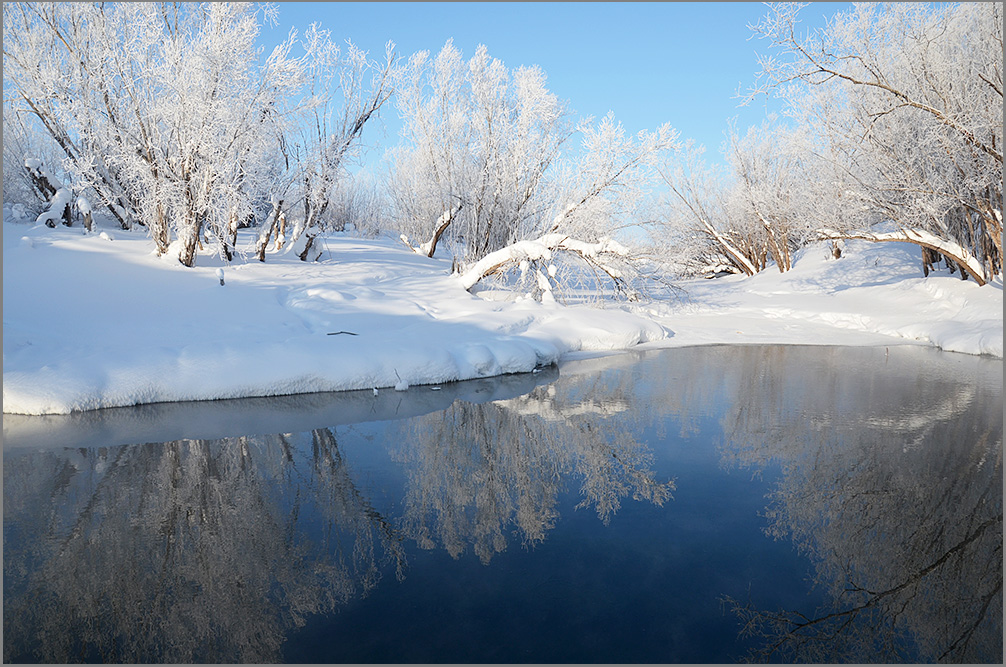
x,y
312,218
736,256
281,236
445,221
160,232
308,244
542,248
231,235
263,239
41,182
66,215
191,231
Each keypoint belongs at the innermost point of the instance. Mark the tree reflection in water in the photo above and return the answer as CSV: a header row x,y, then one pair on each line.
x,y
475,469
184,551
209,551
898,504
214,550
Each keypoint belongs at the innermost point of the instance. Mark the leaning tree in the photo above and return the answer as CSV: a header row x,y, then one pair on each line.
x,y
488,166
907,104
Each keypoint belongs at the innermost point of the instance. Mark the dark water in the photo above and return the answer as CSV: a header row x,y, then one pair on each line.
x,y
696,505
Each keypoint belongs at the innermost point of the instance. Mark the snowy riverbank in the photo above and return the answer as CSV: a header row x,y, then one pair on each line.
x,y
98,321
874,295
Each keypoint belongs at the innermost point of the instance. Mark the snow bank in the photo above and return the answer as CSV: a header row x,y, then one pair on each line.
x,y
91,324
873,295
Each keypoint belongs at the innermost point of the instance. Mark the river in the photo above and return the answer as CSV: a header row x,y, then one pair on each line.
x,y
707,504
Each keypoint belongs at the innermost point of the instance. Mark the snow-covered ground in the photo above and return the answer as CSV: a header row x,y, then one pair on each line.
x,y
97,320
875,294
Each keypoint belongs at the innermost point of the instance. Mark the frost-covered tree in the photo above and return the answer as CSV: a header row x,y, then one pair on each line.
x,y
906,101
175,118
480,142
163,109
768,164
24,144
487,165
697,217
756,209
358,206
343,90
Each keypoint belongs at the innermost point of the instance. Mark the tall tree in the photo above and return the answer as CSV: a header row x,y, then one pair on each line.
x,y
480,142
324,136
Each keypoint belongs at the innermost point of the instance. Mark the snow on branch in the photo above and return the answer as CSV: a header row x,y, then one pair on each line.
x,y
427,249
50,187
542,249
919,237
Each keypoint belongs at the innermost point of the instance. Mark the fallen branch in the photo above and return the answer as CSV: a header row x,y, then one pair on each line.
x,y
542,249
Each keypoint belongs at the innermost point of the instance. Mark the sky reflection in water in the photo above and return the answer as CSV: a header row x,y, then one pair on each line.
x,y
835,504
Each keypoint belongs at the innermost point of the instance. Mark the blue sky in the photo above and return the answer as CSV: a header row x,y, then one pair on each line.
x,y
648,62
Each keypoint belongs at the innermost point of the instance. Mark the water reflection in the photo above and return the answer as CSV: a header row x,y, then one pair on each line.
x,y
897,502
213,549
210,550
475,469
184,551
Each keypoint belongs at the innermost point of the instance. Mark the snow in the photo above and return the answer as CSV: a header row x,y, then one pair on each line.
x,y
90,324
57,205
539,249
874,294
948,248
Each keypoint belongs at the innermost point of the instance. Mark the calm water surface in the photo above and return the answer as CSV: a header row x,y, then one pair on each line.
x,y
696,505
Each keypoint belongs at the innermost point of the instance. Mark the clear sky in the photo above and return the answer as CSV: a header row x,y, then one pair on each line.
x,y
647,62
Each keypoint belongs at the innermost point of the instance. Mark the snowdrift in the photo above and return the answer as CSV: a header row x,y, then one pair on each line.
x,y
874,294
97,320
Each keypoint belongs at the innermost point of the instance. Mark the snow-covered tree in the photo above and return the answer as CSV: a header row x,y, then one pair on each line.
x,y
52,190
172,116
769,196
480,142
161,108
487,166
343,90
907,101
697,217
23,144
